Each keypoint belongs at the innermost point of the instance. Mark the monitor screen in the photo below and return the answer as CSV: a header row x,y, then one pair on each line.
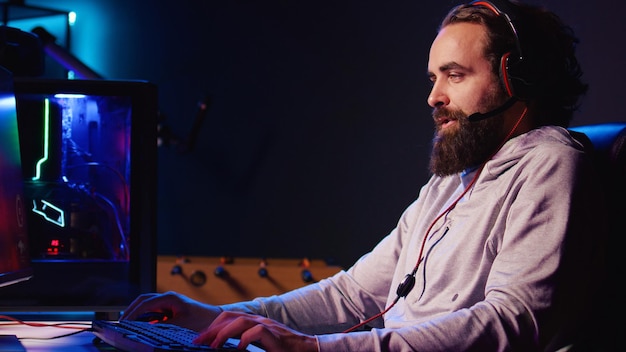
x,y
88,151
14,255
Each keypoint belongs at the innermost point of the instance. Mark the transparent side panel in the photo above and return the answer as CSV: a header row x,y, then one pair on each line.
x,y
76,164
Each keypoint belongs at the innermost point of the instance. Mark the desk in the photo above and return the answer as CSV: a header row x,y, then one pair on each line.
x,y
83,341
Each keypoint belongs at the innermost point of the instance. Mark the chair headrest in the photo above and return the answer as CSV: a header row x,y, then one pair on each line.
x,y
608,140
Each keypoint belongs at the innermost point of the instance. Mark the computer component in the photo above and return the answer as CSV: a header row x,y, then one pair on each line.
x,y
14,254
88,151
15,265
141,336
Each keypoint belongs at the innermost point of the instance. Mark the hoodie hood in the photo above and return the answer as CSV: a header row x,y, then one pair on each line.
x,y
544,138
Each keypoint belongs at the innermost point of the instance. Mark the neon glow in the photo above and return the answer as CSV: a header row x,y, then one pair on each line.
x,y
46,131
7,102
68,96
49,212
71,18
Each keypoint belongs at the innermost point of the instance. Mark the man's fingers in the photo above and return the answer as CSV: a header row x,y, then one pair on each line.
x,y
258,333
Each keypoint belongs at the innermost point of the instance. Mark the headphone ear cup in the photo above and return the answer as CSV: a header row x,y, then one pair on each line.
x,y
504,74
512,69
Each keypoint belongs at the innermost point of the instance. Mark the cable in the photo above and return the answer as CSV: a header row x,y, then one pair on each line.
x,y
57,336
15,321
80,327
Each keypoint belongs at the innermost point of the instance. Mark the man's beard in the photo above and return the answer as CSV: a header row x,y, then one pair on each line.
x,y
465,145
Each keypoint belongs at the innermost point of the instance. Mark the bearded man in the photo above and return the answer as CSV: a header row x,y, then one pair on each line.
x,y
493,255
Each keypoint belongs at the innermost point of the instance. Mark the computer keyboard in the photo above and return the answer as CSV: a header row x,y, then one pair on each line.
x,y
141,336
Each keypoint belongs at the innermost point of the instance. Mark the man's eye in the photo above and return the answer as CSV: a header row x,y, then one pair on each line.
x,y
455,77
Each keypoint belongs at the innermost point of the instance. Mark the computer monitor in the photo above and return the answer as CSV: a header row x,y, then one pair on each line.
x,y
14,254
88,151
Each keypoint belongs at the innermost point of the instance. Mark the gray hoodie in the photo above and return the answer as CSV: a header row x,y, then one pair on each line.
x,y
505,269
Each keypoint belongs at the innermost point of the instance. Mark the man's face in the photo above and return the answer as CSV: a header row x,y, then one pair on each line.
x,y
463,83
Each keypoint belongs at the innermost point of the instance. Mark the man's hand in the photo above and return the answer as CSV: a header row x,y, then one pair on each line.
x,y
268,334
181,310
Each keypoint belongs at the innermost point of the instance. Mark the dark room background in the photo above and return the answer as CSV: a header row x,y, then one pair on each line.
x,y
317,132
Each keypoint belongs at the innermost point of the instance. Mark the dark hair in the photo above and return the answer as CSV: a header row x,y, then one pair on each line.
x,y
550,67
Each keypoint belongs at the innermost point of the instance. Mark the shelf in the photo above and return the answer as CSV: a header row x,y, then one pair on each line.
x,y
15,10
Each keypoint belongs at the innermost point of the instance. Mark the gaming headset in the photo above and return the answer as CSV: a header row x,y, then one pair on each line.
x,y
512,63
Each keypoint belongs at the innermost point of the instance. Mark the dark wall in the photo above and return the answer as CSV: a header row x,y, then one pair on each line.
x,y
318,131
314,142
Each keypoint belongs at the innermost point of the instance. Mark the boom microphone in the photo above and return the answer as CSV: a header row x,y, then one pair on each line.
x,y
477,116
